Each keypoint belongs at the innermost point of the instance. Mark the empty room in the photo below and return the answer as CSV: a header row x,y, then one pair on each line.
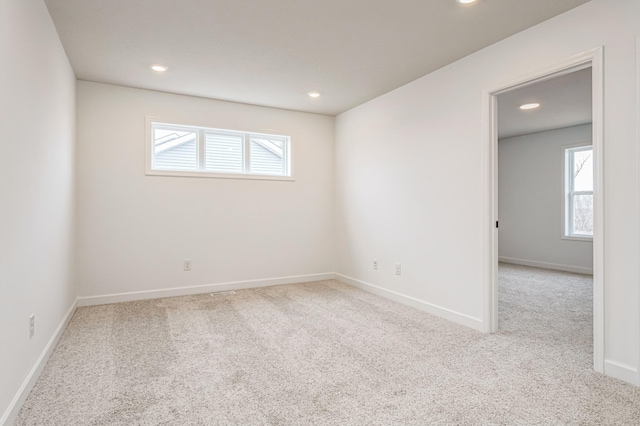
x,y
282,213
546,215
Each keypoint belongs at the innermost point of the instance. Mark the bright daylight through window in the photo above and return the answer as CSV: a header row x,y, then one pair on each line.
x,y
578,200
179,150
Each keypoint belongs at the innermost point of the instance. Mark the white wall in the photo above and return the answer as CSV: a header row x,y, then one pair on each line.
x,y
134,231
410,181
37,138
531,185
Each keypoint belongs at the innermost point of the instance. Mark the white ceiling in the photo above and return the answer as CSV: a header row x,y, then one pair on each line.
x,y
273,52
564,101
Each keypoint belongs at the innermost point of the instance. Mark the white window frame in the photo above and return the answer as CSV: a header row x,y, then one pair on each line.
x,y
201,130
568,191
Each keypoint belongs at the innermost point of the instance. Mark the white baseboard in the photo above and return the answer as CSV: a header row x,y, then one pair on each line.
x,y
10,415
621,371
546,265
427,307
207,288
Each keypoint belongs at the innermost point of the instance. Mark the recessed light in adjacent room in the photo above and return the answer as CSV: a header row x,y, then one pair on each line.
x,y
529,106
314,94
159,67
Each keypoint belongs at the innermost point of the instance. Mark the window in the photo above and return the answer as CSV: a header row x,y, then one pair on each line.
x,y
179,150
578,200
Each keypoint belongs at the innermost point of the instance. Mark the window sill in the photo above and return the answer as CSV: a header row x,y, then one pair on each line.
x,y
576,238
168,173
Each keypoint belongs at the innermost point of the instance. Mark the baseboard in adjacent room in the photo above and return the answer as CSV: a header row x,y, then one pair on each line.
x,y
621,371
207,288
546,265
10,415
427,307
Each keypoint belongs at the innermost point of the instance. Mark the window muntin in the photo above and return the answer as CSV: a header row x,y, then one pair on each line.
x,y
578,192
201,151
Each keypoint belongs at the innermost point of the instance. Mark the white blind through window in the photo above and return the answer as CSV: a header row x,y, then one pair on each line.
x,y
267,155
203,151
224,153
175,149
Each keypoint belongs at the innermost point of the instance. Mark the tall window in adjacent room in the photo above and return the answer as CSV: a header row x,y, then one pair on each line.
x,y
180,150
578,199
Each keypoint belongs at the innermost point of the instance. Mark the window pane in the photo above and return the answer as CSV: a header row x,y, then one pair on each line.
x,y
174,149
583,214
583,170
224,153
184,148
267,156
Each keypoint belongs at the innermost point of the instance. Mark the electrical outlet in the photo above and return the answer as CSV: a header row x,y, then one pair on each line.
x,y
398,269
375,264
32,325
187,265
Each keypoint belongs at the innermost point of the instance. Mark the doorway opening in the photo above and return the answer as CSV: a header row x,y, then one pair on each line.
x,y
547,215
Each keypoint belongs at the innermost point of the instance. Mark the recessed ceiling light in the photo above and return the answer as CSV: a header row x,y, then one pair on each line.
x,y
314,94
159,67
466,1
529,106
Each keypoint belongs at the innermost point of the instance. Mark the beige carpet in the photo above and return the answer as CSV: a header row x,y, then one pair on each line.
x,y
328,354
